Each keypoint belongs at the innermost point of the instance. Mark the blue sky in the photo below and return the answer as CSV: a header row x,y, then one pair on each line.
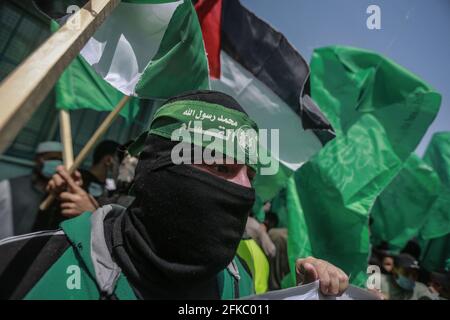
x,y
414,33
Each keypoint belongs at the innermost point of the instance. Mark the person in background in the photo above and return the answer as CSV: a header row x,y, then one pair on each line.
x,y
440,284
255,249
123,180
387,263
382,257
20,197
412,248
402,283
71,191
86,187
105,164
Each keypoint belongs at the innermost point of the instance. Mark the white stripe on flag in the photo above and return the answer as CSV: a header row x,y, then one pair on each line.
x,y
127,41
269,111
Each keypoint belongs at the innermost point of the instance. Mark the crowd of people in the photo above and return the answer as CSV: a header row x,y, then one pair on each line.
x,y
403,278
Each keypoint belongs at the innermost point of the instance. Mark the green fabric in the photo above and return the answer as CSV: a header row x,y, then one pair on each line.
x,y
227,283
435,253
435,234
53,285
299,245
78,230
280,209
267,187
380,112
172,116
404,206
80,87
256,260
438,156
180,63
229,130
246,287
258,209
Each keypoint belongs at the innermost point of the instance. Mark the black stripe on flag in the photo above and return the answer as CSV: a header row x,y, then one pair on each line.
x,y
268,55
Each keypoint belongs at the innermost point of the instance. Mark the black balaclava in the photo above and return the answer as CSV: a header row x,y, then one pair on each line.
x,y
185,224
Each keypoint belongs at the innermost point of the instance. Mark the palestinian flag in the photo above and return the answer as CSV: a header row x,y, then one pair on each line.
x,y
251,61
80,87
147,48
150,49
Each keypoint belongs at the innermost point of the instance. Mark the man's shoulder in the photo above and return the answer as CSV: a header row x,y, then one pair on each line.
x,y
422,292
11,244
26,258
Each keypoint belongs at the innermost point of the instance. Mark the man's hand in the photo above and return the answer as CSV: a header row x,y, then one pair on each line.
x,y
58,183
333,281
74,200
258,232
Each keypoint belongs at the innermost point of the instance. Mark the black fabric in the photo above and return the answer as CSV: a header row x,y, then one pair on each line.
x,y
49,219
26,198
268,55
194,219
264,52
89,178
23,263
132,250
405,260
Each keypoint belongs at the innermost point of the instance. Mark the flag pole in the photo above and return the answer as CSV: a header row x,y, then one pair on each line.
x,y
27,86
90,145
66,138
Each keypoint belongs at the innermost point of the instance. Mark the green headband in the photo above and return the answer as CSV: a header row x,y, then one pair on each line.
x,y
207,125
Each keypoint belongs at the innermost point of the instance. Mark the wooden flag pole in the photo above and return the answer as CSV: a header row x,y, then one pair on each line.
x,y
27,86
66,138
90,145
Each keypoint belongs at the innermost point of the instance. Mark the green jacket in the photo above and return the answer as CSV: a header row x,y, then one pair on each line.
x,y
74,263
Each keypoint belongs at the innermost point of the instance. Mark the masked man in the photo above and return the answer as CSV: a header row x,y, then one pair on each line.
x,y
20,197
177,240
402,283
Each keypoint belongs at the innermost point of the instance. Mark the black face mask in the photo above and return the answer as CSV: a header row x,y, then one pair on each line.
x,y
193,218
185,224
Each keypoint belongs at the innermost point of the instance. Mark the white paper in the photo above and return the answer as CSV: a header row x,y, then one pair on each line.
x,y
311,291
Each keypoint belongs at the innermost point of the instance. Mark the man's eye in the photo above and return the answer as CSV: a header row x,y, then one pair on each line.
x,y
220,168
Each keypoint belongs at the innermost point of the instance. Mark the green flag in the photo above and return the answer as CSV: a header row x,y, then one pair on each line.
x,y
404,206
380,112
434,237
299,244
80,87
435,255
438,156
151,49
